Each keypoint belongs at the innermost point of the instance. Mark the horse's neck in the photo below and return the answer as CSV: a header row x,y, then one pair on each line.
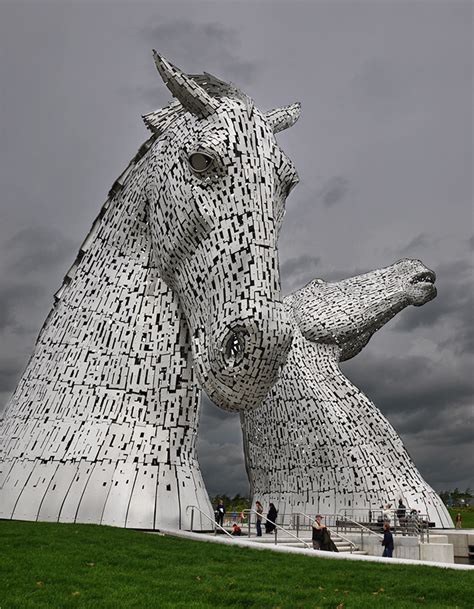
x,y
347,313
314,405
116,331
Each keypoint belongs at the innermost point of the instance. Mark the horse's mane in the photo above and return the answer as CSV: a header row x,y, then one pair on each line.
x,y
159,121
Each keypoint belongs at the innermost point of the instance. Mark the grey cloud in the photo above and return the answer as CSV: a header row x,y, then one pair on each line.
x,y
153,95
444,468
405,384
334,191
419,242
429,405
14,295
38,248
376,79
297,271
209,46
454,306
10,370
220,451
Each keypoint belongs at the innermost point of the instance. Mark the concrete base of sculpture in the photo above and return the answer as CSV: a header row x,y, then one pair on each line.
x,y
116,494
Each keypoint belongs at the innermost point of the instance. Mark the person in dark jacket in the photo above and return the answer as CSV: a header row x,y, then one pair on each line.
x,y
272,515
401,511
387,541
318,530
327,543
258,522
220,511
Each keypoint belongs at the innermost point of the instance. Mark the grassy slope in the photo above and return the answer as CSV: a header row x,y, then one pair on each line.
x,y
89,567
467,515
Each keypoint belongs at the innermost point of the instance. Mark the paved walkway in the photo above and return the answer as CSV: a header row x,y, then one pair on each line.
x,y
243,542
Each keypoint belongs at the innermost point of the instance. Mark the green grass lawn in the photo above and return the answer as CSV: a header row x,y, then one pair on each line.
x,y
467,515
59,566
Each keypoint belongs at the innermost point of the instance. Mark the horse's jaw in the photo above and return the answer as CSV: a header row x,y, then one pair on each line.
x,y
237,355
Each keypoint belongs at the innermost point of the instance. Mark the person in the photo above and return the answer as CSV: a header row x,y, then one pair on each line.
x,y
458,520
387,513
220,511
272,515
318,530
258,523
401,515
401,511
327,543
236,530
387,541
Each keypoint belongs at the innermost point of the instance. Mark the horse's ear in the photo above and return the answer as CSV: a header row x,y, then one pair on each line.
x,y
282,118
158,121
191,95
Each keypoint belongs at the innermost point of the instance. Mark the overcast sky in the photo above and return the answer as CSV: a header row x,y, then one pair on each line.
x,y
383,148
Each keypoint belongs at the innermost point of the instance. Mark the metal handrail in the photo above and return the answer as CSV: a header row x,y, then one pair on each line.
x,y
277,526
361,526
195,507
351,543
417,524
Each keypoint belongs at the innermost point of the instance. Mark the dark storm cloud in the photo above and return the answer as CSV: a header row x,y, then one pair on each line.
x,y
334,191
454,306
439,466
13,298
220,451
38,248
27,258
429,405
10,370
411,383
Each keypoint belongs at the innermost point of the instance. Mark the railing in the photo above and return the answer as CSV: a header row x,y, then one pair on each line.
x,y
277,527
363,529
214,523
412,523
352,545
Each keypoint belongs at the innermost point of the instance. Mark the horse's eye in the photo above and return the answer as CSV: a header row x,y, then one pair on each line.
x,y
200,161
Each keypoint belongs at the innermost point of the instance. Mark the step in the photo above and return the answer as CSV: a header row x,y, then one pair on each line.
x,y
291,542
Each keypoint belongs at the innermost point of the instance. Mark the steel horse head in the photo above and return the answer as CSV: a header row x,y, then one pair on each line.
x,y
216,185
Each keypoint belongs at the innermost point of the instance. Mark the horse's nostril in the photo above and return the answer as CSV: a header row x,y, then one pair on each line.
x,y
234,347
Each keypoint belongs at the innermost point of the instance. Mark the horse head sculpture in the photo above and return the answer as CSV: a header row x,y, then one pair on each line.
x,y
216,186
177,278
380,295
318,443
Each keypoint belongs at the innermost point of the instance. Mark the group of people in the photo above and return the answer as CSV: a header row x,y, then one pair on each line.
x,y
236,529
321,536
272,514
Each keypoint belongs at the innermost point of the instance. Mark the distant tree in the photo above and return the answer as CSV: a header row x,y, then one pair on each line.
x,y
236,504
445,497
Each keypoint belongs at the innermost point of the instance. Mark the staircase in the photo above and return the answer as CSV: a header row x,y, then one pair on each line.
x,y
304,541
286,537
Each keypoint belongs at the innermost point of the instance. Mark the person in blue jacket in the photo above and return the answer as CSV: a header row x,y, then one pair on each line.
x,y
387,541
